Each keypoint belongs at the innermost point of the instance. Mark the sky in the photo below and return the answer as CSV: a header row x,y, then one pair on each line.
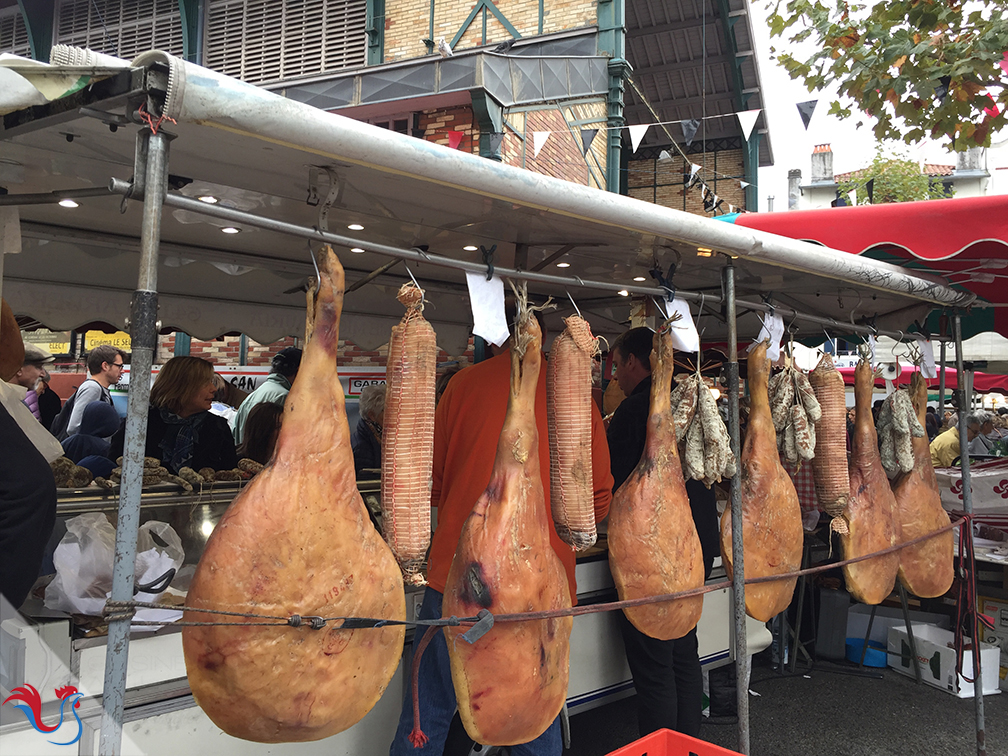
x,y
853,148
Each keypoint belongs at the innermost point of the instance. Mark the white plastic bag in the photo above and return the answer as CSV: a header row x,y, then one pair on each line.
x,y
83,562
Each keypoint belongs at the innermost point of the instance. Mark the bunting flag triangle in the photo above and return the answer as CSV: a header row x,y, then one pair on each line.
x,y
693,179
743,184
455,139
805,110
689,130
747,119
538,141
587,137
637,132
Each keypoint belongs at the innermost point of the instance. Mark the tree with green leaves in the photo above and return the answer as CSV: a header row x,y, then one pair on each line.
x,y
922,68
892,177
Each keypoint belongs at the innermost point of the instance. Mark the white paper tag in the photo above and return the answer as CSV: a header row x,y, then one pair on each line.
x,y
487,300
928,368
773,329
871,349
684,333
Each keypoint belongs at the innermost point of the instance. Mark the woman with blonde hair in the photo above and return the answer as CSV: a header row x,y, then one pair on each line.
x,y
181,430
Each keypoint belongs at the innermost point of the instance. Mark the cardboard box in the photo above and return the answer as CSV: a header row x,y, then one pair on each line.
x,y
936,653
885,618
997,610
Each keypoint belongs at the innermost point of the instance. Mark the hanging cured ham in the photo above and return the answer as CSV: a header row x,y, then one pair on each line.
x,y
869,509
512,682
926,568
298,540
771,516
653,543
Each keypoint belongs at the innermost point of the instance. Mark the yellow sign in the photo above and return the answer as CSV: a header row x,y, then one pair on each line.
x,y
58,342
119,339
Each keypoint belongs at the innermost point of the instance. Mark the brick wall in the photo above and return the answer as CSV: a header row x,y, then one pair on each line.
x,y
561,155
661,181
408,21
437,124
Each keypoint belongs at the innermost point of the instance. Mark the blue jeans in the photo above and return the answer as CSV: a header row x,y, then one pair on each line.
x,y
437,699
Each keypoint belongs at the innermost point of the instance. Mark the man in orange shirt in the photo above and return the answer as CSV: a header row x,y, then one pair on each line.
x,y
467,427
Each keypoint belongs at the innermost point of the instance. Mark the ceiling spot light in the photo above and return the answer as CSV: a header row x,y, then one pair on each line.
x,y
355,227
68,203
357,250
208,198
623,293
230,230
563,264
470,247
206,528
639,278
716,393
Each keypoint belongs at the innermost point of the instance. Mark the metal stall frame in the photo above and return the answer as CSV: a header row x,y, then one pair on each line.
x,y
728,300
244,109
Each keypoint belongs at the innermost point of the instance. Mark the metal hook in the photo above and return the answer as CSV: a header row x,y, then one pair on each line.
x,y
576,309
488,256
318,275
423,296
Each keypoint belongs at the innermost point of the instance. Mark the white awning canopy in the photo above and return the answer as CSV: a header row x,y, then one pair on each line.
x,y
256,151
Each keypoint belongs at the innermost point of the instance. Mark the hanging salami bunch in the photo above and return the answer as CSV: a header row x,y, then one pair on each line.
x,y
707,455
795,412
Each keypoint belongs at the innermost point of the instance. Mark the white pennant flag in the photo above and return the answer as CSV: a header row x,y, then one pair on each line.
x,y
637,132
773,329
747,119
928,368
684,332
538,141
743,184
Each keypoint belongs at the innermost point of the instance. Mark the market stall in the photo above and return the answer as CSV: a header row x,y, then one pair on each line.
x,y
241,262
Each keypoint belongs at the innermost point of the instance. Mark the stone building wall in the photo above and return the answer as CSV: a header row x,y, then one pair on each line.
x,y
407,22
661,181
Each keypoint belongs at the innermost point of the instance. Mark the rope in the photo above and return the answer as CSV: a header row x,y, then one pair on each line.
x,y
967,613
120,610
147,118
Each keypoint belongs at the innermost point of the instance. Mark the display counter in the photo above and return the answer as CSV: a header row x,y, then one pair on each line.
x,y
50,649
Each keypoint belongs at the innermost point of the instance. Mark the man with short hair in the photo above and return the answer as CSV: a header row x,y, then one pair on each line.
x,y
105,365
31,372
945,448
274,389
367,438
986,437
666,673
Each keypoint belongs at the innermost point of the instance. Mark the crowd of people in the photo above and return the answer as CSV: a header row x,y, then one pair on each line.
x,y
187,426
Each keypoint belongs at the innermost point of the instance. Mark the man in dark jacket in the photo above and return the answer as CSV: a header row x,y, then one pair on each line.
x,y
666,674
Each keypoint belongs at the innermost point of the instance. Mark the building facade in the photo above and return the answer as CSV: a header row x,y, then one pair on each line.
x,y
544,85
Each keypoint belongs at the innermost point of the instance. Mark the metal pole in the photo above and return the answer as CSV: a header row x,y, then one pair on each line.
x,y
143,331
941,385
118,186
967,495
738,559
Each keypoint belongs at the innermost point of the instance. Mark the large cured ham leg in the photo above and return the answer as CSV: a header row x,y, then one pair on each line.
x,y
512,682
771,515
298,540
653,544
925,569
869,509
